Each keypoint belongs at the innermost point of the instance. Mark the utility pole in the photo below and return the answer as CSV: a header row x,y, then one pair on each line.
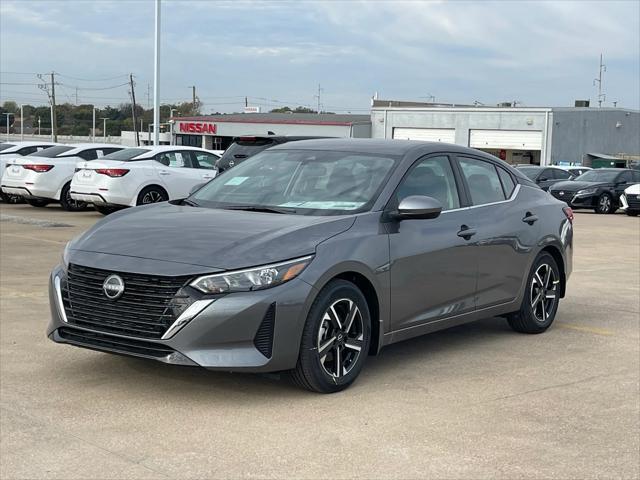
x,y
133,110
104,128
156,78
54,133
93,130
21,123
148,98
193,99
8,115
38,126
76,96
318,97
598,81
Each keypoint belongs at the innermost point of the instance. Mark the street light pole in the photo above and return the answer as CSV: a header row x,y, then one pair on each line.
x,y
8,115
93,130
104,128
156,79
22,123
38,126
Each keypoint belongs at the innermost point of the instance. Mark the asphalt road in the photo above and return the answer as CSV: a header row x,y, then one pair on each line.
x,y
476,401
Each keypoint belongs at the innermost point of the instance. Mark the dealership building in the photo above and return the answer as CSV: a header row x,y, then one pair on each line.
x,y
216,132
544,136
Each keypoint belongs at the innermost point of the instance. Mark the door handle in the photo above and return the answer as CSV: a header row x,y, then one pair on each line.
x,y
207,177
164,172
530,218
466,232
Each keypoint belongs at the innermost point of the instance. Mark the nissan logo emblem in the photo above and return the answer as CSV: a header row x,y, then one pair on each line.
x,y
561,193
113,287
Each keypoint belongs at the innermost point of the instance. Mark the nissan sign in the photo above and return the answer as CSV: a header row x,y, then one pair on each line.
x,y
197,127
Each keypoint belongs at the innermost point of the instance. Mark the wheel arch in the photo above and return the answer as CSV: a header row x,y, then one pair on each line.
x,y
366,285
555,252
147,185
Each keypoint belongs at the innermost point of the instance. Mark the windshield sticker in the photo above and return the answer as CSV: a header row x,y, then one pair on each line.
x,y
324,205
236,181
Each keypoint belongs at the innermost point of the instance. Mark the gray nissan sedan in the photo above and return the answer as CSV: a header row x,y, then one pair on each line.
x,y
312,255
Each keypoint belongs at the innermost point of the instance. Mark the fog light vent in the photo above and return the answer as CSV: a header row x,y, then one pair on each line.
x,y
263,340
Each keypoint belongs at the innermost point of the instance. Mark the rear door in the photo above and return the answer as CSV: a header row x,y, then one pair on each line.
x,y
507,230
177,173
433,264
623,181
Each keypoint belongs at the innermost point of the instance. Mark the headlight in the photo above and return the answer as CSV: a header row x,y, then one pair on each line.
x,y
257,278
65,255
587,191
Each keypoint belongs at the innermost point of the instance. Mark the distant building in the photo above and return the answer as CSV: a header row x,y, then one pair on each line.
x,y
544,136
216,132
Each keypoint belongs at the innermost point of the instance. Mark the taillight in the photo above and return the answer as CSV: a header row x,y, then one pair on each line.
x,y
568,212
37,168
112,172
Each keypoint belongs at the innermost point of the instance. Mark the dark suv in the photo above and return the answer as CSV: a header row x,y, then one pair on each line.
x,y
247,146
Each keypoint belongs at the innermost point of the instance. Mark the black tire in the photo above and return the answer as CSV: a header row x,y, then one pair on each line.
x,y
152,194
6,198
604,204
36,202
105,210
69,204
342,362
537,316
633,213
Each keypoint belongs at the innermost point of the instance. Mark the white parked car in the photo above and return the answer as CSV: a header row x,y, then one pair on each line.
x,y
44,177
141,175
10,150
630,200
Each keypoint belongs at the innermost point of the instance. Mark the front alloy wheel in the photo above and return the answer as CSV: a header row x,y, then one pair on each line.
x,y
335,340
605,204
340,338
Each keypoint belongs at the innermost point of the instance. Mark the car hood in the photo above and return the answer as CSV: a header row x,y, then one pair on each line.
x,y
574,186
213,238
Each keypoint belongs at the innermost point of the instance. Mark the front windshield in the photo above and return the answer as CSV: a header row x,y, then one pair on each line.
x,y
300,181
126,154
598,176
51,151
531,172
4,146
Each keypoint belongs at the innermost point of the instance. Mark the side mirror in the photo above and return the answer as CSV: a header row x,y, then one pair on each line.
x,y
417,207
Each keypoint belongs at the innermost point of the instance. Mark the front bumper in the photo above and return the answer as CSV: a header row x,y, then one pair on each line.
x,y
573,200
229,334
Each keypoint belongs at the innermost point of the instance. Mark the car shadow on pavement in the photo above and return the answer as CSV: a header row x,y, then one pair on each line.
x,y
176,383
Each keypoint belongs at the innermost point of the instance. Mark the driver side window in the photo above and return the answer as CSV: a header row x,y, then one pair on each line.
x,y
431,177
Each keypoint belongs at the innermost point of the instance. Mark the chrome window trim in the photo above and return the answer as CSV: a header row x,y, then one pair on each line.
x,y
513,196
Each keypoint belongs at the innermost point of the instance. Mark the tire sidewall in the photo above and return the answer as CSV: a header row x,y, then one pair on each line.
x,y
146,190
335,290
599,210
64,193
526,309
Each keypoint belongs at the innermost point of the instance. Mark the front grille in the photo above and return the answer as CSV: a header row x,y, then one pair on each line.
x,y
565,198
633,201
114,344
263,340
148,306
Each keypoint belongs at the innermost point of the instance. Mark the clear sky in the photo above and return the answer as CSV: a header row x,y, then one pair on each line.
x,y
540,53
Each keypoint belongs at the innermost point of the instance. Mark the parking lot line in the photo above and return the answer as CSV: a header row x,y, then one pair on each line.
x,y
28,237
581,328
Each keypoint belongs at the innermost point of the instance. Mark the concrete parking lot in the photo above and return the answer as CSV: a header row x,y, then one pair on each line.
x,y
477,401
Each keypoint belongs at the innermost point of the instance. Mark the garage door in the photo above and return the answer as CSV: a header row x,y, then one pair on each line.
x,y
447,135
507,139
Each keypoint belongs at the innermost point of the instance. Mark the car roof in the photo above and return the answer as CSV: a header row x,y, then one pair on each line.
x,y
18,145
79,147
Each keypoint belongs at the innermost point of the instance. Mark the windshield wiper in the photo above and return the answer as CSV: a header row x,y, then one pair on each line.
x,y
191,203
259,208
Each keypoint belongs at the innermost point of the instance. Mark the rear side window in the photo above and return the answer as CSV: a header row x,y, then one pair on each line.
x,y
90,154
636,175
126,154
27,150
626,177
508,184
483,181
561,174
109,151
175,159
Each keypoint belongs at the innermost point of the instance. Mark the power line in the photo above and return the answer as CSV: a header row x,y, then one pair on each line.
x,y
92,79
94,88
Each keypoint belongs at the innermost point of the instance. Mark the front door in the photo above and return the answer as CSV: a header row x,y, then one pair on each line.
x,y
433,263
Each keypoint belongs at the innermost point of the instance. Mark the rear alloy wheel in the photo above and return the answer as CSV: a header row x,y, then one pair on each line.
x,y
151,195
335,340
38,202
540,302
68,203
605,204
